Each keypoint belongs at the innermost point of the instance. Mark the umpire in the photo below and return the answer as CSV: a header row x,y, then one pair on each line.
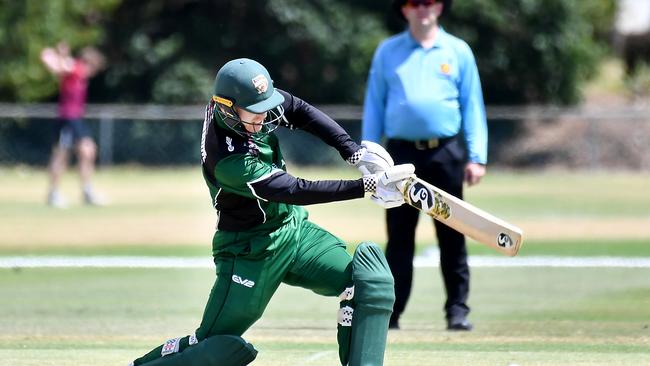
x,y
424,97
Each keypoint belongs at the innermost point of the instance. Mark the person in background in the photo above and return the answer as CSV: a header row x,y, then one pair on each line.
x,y
70,129
424,96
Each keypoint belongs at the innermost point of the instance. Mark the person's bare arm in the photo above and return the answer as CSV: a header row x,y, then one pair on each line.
x,y
57,60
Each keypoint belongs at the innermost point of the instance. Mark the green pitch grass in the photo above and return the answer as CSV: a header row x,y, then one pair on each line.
x,y
523,316
168,212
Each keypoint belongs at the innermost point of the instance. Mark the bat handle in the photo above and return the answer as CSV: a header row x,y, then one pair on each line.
x,y
404,184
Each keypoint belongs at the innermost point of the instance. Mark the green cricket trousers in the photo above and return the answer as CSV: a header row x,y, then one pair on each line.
x,y
251,266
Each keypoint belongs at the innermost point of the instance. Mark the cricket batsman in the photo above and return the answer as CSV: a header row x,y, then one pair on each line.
x,y
264,237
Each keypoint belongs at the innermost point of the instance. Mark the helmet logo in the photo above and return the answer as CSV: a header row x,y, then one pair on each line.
x,y
261,83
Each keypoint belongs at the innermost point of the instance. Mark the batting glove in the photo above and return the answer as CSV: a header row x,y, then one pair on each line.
x,y
371,158
385,185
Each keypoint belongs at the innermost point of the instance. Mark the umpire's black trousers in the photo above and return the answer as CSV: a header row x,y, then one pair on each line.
x,y
442,166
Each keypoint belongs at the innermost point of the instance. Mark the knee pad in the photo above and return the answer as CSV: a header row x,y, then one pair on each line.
x,y
366,308
373,280
218,350
372,276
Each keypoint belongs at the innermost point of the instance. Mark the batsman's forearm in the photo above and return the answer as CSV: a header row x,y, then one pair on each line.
x,y
282,187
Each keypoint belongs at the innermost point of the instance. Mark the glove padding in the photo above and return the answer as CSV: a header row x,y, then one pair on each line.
x,y
374,159
387,193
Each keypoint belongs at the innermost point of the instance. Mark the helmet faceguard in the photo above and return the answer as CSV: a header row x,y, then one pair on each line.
x,y
246,84
226,110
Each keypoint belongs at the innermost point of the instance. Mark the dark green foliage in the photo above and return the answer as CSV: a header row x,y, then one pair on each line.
x,y
533,51
317,49
168,51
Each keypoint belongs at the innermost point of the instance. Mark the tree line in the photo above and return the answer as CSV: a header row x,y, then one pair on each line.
x,y
168,51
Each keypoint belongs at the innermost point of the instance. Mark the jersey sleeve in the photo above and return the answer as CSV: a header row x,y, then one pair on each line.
x,y
302,115
280,186
249,177
474,122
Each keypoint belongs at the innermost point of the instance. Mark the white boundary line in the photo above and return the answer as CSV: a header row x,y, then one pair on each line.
x,y
104,262
318,355
196,262
544,261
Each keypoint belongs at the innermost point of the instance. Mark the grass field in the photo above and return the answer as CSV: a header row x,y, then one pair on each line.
x,y
523,315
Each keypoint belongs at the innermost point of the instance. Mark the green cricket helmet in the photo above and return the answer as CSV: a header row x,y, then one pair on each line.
x,y
246,84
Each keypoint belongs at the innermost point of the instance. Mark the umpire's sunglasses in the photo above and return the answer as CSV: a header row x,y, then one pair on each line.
x,y
416,3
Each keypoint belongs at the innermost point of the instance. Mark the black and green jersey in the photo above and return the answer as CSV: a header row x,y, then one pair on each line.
x,y
246,174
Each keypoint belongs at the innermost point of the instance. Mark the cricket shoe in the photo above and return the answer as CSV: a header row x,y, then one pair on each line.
x,y
459,323
93,199
56,200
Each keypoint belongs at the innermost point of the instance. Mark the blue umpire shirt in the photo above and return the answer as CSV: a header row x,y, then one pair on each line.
x,y
418,94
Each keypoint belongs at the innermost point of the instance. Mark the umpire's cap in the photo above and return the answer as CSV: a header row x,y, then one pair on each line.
x,y
398,4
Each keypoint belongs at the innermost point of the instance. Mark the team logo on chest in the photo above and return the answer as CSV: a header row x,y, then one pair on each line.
x,y
445,68
231,148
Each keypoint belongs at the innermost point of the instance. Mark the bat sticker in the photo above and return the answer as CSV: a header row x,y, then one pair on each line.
x,y
504,240
462,216
431,202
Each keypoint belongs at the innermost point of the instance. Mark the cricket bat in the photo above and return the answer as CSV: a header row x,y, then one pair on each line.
x,y
465,218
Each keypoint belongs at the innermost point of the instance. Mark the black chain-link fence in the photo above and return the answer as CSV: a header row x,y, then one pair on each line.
x,y
523,137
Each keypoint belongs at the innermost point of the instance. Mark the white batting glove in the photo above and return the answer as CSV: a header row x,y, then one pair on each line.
x,y
371,158
385,185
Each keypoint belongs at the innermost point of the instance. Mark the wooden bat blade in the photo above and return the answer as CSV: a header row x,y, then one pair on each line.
x,y
464,217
